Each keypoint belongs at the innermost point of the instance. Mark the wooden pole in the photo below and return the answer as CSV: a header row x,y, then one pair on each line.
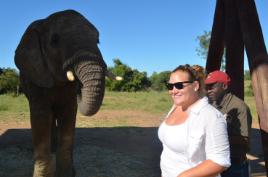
x,y
234,49
216,45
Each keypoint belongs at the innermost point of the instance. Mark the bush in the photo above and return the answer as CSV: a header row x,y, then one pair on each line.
x,y
9,81
159,80
133,80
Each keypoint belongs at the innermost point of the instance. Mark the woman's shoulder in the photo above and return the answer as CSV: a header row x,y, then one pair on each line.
x,y
206,108
210,112
206,114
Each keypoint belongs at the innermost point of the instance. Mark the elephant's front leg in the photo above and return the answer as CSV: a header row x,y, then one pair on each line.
x,y
41,120
66,131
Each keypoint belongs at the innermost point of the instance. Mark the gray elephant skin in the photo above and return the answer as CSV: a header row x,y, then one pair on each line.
x,y
64,41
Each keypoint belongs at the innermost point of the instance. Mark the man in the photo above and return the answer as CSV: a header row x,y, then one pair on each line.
x,y
238,119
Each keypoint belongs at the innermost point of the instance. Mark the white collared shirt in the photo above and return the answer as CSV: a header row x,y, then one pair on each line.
x,y
206,138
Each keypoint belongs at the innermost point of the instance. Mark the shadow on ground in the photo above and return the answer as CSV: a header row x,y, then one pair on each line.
x,y
256,154
105,152
98,152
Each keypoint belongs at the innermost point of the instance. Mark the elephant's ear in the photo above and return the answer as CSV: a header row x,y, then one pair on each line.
x,y
30,60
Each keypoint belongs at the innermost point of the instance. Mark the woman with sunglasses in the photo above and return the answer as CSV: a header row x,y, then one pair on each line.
x,y
193,134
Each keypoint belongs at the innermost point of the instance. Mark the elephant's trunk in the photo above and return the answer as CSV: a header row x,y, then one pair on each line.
x,y
92,77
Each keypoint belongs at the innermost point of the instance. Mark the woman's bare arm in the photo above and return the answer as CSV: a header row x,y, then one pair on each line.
x,y
207,168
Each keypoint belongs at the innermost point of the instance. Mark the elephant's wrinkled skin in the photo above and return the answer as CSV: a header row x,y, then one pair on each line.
x,y
63,41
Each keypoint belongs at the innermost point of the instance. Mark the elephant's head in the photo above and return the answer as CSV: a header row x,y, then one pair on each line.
x,y
64,41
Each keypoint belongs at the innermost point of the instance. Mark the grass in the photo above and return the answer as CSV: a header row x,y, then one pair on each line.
x,y
154,102
13,104
120,109
125,107
250,101
13,108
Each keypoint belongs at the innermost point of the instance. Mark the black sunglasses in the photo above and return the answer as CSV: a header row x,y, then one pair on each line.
x,y
178,85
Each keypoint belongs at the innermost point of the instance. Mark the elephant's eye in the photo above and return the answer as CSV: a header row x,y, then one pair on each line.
x,y
54,41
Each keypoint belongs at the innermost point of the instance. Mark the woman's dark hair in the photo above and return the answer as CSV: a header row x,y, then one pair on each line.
x,y
196,73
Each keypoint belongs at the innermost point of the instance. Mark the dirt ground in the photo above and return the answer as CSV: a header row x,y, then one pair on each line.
x,y
104,151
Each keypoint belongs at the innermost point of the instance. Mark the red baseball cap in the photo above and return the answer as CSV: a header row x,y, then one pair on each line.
x,y
218,76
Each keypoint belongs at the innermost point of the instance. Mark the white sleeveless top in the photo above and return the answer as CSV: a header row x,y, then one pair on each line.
x,y
173,158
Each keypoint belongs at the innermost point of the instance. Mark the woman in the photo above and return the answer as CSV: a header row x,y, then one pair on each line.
x,y
193,134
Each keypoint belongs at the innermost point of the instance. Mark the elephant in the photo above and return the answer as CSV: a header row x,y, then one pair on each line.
x,y
61,70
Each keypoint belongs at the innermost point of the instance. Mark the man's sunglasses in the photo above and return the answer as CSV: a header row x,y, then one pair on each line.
x,y
178,85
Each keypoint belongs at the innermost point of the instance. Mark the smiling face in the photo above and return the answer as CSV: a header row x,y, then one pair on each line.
x,y
188,94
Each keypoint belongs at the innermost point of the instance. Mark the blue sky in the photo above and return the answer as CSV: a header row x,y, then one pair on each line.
x,y
148,35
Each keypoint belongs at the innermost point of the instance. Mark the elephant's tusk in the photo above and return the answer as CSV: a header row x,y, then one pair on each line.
x,y
70,76
112,76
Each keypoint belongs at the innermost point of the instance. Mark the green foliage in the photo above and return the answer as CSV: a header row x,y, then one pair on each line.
x,y
247,84
159,80
133,80
247,75
248,88
9,80
202,50
204,41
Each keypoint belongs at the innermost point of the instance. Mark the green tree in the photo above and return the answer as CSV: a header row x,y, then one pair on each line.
x,y
202,49
159,80
9,80
133,80
204,41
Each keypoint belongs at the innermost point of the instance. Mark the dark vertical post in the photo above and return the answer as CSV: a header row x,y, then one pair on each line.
x,y
251,29
234,49
216,45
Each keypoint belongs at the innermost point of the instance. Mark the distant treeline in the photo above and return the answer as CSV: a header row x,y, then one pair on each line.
x,y
9,81
133,80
